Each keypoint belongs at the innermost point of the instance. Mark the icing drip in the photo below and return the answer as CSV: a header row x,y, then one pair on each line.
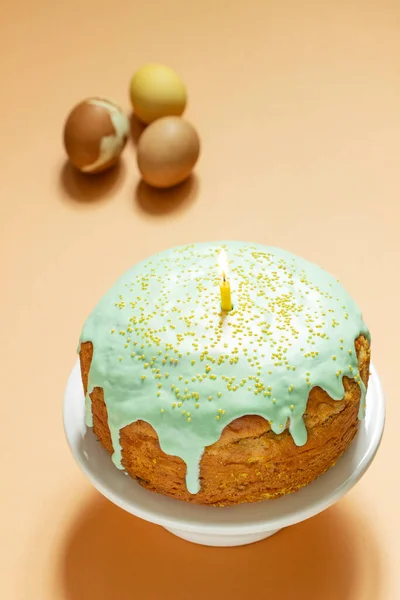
x,y
164,352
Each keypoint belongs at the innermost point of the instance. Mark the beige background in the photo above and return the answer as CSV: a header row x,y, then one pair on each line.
x,y
297,104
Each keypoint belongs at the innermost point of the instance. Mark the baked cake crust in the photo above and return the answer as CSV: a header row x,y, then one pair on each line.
x,y
249,462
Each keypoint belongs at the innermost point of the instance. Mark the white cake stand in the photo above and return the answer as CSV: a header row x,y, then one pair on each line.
x,y
230,526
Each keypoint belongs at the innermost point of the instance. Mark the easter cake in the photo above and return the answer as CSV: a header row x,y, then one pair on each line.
x,y
221,407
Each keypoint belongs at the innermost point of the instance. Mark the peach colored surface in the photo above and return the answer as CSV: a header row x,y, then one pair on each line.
x,y
297,104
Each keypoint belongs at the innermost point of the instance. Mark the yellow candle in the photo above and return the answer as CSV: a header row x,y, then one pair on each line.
x,y
226,300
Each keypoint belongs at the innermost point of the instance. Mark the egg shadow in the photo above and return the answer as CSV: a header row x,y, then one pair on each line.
x,y
159,202
137,128
88,188
108,554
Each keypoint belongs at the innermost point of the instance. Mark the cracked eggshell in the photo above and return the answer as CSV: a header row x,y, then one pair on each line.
x,y
95,133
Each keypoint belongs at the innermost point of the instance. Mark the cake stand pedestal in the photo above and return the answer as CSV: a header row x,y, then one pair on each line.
x,y
210,539
228,526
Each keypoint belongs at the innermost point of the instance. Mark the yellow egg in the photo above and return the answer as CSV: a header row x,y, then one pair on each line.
x,y
157,91
167,151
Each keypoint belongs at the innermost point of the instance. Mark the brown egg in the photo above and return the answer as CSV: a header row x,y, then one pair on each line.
x,y
95,134
167,151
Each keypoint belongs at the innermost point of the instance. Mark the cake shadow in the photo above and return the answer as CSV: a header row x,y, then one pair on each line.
x,y
160,202
81,188
110,555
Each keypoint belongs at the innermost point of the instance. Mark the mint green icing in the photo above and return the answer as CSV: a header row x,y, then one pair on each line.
x,y
165,353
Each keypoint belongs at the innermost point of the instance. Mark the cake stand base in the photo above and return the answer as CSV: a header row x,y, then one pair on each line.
x,y
231,525
209,539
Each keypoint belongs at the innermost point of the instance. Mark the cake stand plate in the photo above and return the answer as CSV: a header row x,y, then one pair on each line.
x,y
230,526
